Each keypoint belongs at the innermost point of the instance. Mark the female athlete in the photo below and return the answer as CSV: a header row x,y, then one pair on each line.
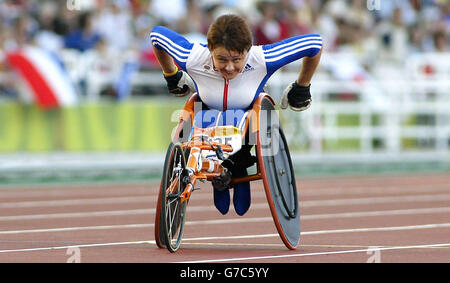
x,y
228,73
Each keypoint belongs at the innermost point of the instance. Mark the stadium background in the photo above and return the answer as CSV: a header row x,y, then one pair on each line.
x,y
380,97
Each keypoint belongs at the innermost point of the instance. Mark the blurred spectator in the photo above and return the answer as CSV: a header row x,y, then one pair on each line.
x,y
46,37
192,25
416,39
24,27
100,66
394,38
84,37
114,23
6,86
119,29
120,22
326,26
143,24
297,18
170,12
441,41
270,28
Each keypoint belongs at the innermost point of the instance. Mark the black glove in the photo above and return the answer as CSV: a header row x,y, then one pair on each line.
x,y
298,97
180,84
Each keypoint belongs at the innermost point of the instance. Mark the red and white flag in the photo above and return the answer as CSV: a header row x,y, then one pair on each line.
x,y
48,81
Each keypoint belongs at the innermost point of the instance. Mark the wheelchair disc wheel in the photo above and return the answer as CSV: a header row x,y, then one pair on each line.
x,y
278,175
172,211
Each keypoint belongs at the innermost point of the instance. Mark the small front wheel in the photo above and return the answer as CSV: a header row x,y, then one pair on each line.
x,y
172,209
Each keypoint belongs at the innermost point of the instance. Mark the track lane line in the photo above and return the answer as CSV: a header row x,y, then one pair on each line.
x,y
304,203
302,189
316,254
144,225
235,237
219,221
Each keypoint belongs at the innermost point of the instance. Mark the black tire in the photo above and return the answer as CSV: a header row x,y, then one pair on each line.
x,y
168,167
172,210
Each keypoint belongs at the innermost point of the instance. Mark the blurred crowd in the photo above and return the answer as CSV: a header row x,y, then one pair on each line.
x,y
371,29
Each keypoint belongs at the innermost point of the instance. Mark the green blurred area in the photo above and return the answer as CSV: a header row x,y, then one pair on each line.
x,y
136,125
105,127
146,126
343,144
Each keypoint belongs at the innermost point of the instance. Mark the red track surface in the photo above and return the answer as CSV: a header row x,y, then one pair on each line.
x,y
407,219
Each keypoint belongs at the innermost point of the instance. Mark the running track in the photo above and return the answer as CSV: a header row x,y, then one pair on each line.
x,y
385,218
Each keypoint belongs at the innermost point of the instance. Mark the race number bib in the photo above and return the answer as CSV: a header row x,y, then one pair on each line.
x,y
228,135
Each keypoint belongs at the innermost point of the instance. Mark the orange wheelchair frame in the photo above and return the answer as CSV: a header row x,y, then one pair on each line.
x,y
184,166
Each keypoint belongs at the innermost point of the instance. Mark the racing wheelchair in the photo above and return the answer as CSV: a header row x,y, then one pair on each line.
x,y
197,153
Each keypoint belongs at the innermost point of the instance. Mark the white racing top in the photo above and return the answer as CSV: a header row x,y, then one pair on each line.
x,y
240,92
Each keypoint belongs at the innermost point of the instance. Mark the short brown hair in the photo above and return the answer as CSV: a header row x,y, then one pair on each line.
x,y
231,32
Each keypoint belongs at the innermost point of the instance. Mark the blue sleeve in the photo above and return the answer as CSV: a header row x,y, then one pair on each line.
x,y
286,51
173,43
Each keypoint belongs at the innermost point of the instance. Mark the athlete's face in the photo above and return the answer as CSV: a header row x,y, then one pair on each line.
x,y
228,62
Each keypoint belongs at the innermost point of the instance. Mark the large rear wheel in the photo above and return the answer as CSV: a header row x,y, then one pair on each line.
x,y
278,175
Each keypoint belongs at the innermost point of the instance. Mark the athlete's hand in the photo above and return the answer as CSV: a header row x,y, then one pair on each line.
x,y
296,96
180,84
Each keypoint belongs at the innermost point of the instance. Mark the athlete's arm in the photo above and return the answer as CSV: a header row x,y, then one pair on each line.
x,y
289,50
169,44
298,94
308,47
171,47
166,61
309,66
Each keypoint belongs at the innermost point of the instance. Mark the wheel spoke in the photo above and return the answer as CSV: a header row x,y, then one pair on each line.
x,y
172,219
